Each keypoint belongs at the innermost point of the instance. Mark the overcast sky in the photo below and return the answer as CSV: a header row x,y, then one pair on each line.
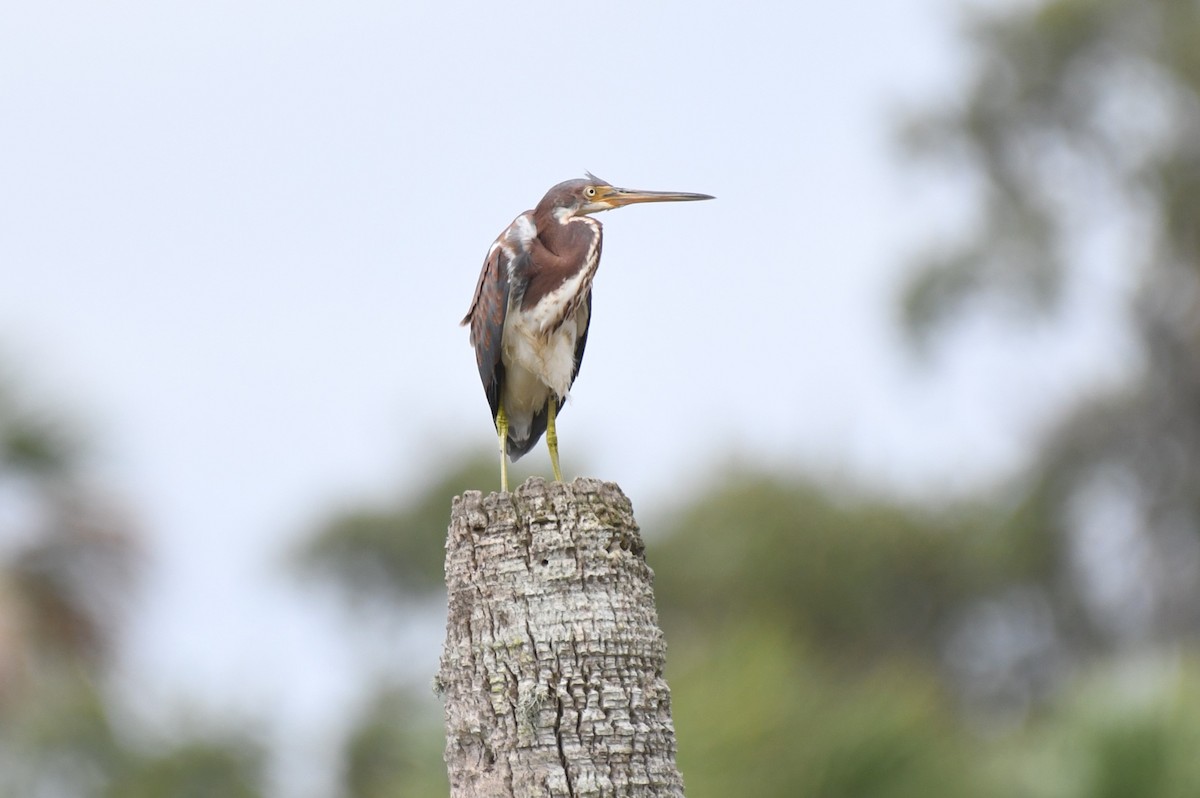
x,y
236,239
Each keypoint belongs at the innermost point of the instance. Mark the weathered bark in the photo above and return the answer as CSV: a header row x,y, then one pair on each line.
x,y
552,670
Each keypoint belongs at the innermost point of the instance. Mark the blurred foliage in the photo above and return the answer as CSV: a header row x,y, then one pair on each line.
x,y
1079,129
869,578
754,705
1117,731
67,571
70,557
806,633
194,770
813,653
63,742
395,550
32,443
396,749
1074,110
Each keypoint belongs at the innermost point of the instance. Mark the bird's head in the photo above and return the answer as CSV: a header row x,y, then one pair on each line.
x,y
591,195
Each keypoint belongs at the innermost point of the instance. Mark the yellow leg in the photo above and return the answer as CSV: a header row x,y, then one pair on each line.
x,y
502,431
552,437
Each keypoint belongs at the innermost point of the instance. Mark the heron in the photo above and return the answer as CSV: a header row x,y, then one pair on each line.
x,y
532,307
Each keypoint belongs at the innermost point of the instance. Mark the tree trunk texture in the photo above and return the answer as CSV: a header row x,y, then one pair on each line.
x,y
552,670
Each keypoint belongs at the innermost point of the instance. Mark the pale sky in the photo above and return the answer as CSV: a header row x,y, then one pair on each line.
x,y
236,238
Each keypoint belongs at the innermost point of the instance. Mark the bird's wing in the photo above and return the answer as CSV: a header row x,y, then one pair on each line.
x,y
581,341
486,317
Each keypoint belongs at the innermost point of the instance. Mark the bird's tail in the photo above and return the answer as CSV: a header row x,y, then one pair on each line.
x,y
518,447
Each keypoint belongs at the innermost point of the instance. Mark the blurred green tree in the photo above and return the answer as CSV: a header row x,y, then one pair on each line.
x,y
807,631
857,576
68,561
392,554
395,749
393,551
1080,131
816,650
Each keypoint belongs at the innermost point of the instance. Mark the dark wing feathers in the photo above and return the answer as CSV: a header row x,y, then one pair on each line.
x,y
581,342
486,317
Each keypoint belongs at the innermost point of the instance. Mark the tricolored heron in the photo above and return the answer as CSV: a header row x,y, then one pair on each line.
x,y
532,307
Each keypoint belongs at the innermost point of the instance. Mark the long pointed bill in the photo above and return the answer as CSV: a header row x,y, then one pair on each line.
x,y
618,197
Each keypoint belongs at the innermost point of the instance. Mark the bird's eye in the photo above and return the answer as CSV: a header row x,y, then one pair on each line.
x,y
589,192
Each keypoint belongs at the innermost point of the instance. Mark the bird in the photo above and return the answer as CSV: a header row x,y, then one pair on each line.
x,y
532,307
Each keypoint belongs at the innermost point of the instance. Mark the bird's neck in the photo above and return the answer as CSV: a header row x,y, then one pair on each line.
x,y
568,235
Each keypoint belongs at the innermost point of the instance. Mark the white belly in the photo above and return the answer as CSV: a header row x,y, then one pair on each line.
x,y
538,367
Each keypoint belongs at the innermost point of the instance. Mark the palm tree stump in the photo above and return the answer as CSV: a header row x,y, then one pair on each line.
x,y
552,670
